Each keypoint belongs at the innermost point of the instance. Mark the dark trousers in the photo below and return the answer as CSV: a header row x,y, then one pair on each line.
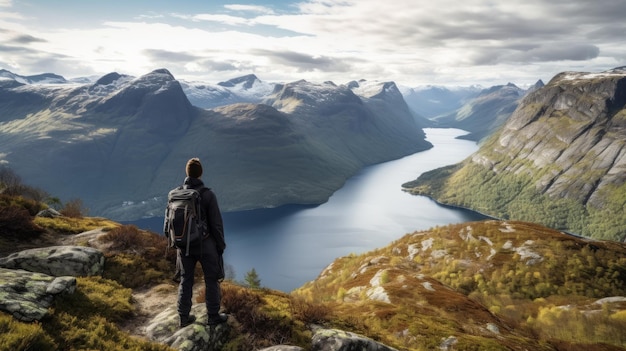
x,y
213,293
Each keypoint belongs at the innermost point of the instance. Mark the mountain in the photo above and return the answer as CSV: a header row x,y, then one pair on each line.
x,y
242,89
492,285
121,143
484,113
44,78
559,160
432,101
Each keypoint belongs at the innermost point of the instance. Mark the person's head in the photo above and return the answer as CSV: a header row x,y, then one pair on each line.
x,y
194,168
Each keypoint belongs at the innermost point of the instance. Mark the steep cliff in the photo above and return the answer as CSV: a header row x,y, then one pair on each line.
x,y
559,160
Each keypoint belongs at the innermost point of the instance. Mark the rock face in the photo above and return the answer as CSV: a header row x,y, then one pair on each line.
x,y
560,159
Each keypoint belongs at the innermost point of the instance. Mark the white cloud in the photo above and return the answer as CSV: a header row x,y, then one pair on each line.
x,y
409,41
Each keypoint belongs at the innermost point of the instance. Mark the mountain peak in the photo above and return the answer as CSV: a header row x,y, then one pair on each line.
x,y
109,78
246,81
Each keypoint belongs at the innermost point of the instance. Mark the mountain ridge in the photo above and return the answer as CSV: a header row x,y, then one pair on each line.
x,y
124,142
559,160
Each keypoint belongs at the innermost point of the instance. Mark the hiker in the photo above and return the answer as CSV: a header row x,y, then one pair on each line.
x,y
208,251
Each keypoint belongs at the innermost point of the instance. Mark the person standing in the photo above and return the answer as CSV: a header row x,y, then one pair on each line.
x,y
208,252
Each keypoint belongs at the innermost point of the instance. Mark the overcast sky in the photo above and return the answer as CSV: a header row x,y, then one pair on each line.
x,y
411,42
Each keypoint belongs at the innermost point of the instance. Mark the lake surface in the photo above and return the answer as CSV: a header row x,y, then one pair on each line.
x,y
290,245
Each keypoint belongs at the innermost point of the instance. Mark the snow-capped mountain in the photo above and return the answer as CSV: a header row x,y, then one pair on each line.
x,y
120,143
242,89
45,78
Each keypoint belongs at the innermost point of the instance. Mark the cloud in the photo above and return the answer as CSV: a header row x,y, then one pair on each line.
x,y
250,8
304,62
443,42
26,39
169,56
224,19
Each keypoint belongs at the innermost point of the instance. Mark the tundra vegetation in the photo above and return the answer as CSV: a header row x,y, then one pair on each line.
x,y
488,285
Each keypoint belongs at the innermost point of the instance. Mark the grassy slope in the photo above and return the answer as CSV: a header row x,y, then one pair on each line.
x,y
491,285
461,280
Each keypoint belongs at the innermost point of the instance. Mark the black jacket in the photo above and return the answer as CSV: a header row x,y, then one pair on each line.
x,y
215,225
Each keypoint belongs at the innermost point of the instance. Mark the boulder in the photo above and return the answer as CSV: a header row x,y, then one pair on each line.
x,y
57,261
195,337
339,340
28,295
49,213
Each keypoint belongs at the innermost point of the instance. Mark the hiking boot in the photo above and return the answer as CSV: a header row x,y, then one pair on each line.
x,y
185,321
217,319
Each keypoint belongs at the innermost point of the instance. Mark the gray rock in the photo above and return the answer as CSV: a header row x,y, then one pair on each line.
x,y
49,213
28,295
195,337
57,261
339,340
282,348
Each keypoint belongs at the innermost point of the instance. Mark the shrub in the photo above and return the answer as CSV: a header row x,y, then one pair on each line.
x,y
264,318
74,209
17,223
86,319
15,335
136,258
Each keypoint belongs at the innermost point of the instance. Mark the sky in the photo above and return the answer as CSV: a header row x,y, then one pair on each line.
x,y
410,42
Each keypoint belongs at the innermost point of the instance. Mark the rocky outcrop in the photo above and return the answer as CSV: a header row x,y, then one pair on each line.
x,y
195,337
27,295
57,261
198,336
30,279
339,340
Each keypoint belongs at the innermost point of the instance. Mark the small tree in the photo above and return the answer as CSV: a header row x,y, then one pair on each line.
x,y
74,208
252,279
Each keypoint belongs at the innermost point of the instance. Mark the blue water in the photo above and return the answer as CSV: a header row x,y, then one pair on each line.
x,y
290,245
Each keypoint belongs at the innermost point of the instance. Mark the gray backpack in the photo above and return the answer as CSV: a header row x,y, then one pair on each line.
x,y
185,222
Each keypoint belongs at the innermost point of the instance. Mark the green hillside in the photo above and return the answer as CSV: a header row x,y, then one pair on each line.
x,y
559,160
490,285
